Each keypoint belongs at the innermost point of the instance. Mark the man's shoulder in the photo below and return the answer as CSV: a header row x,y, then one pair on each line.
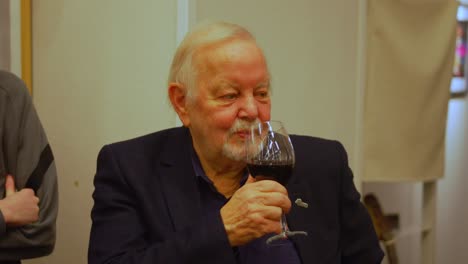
x,y
316,146
150,145
12,86
152,139
167,145
304,140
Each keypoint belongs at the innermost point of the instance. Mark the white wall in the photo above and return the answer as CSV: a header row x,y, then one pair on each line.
x,y
452,209
99,75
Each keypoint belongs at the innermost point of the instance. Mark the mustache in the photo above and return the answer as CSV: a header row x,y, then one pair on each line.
x,y
240,125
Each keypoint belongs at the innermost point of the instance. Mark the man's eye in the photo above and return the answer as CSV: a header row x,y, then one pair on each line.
x,y
263,94
229,96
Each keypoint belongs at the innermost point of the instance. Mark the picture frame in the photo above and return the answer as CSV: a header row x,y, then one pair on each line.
x,y
458,85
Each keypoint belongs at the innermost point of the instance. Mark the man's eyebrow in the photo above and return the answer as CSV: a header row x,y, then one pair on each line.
x,y
223,85
265,83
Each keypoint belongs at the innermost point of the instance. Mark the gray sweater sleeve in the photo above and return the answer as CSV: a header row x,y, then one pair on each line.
x,y
24,140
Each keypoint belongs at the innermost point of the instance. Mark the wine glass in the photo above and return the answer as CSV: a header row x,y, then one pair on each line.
x,y
270,156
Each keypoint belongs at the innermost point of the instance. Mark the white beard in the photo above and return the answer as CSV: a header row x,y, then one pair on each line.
x,y
235,150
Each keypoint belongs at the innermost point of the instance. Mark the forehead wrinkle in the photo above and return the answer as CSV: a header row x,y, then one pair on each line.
x,y
209,57
210,61
207,67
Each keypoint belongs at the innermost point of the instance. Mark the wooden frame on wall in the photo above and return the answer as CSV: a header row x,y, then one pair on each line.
x,y
26,43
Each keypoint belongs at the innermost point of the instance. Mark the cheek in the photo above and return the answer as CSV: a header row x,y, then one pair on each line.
x,y
224,119
264,112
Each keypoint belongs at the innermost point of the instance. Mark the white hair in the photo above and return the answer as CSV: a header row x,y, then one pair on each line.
x,y
183,70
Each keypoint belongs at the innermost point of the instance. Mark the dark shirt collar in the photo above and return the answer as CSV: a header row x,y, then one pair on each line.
x,y
200,173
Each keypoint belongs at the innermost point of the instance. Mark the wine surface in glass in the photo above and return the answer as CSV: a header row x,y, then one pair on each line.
x,y
276,172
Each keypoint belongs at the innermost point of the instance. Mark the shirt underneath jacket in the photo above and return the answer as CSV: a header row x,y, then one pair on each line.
x,y
256,251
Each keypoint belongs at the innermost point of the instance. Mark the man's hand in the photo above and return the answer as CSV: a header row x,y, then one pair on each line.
x,y
19,208
254,210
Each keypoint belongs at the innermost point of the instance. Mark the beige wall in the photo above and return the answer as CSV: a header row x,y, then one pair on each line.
x,y
99,72
15,37
10,36
4,35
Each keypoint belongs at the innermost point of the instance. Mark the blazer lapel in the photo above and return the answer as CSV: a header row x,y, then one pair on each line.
x,y
178,179
297,221
320,245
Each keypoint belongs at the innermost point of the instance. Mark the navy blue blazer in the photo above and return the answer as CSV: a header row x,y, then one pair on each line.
x,y
147,206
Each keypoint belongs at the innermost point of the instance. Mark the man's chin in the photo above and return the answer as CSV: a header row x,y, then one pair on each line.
x,y
235,153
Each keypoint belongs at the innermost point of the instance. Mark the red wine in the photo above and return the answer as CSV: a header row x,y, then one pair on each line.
x,y
276,172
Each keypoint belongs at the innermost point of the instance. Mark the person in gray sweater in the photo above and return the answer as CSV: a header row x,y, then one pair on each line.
x,y
28,177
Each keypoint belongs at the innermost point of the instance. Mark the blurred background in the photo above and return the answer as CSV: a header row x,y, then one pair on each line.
x,y
374,74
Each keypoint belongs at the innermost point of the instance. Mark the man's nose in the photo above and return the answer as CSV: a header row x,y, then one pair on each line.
x,y
249,109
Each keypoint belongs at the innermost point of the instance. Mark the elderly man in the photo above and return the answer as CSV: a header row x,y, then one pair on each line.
x,y
183,195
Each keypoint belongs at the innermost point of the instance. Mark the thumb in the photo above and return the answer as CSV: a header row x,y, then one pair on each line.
x,y
250,179
9,185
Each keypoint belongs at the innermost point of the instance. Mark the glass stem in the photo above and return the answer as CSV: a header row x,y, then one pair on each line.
x,y
284,223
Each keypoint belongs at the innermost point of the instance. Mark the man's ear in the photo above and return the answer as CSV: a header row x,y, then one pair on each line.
x,y
178,96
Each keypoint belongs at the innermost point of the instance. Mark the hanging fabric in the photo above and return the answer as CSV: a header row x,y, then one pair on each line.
x,y
409,68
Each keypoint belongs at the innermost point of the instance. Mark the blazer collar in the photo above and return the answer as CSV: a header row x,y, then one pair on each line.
x,y
178,179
